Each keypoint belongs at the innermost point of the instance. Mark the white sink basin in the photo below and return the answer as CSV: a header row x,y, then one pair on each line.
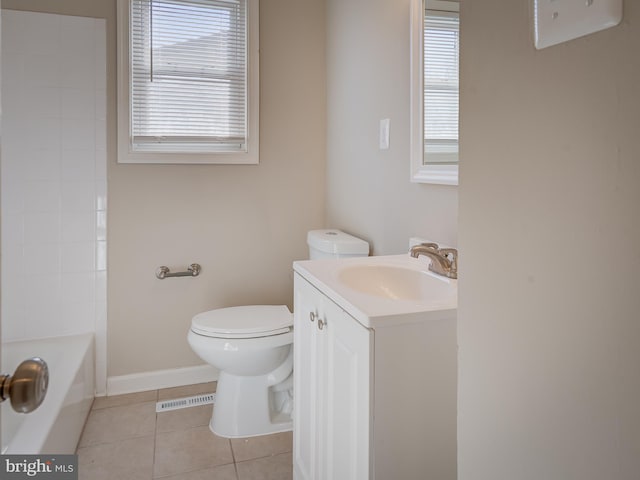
x,y
394,282
383,290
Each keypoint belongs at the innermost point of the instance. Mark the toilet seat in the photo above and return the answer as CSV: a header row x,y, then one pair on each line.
x,y
251,321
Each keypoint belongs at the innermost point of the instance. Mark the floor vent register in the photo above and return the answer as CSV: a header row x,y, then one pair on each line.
x,y
186,402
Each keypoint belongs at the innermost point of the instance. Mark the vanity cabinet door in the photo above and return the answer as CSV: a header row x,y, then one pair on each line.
x,y
348,397
332,389
308,358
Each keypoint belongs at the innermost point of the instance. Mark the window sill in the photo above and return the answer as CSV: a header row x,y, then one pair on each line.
x,y
231,158
436,174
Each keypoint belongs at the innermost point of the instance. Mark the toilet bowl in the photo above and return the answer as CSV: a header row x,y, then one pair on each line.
x,y
251,346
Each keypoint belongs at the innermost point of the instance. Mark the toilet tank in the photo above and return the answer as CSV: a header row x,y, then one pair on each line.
x,y
333,243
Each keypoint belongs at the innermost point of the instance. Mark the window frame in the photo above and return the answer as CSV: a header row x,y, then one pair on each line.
x,y
126,154
421,172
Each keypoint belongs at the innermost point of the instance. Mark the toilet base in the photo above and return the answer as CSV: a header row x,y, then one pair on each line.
x,y
285,426
250,406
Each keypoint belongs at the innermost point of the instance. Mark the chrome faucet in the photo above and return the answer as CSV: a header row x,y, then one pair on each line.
x,y
444,261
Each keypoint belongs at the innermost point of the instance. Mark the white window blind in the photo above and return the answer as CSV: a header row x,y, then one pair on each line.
x,y
441,59
188,75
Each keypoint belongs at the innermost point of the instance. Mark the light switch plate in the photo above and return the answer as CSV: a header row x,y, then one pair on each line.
x,y
557,21
384,134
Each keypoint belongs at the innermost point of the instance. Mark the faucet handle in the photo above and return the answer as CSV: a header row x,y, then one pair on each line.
x,y
452,255
430,245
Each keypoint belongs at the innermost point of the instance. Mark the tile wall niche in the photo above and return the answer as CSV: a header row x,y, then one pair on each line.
x,y
53,178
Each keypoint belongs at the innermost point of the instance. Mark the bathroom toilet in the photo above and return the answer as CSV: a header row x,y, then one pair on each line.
x,y
251,346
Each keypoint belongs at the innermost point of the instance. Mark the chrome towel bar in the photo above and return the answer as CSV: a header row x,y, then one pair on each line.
x,y
193,270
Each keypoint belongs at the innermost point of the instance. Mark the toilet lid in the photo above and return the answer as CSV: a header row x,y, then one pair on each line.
x,y
243,322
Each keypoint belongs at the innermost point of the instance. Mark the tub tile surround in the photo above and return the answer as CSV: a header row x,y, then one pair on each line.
x,y
54,178
125,438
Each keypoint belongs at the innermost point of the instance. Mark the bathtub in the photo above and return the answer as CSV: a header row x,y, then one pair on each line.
x,y
55,427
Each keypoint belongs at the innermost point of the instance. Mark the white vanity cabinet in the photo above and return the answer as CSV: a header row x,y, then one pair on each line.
x,y
374,395
332,389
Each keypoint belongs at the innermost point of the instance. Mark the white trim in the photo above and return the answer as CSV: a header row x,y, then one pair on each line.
x,y
443,5
154,380
101,348
438,174
249,157
416,77
419,172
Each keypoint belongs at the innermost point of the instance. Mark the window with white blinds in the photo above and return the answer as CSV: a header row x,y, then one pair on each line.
x,y
441,58
189,80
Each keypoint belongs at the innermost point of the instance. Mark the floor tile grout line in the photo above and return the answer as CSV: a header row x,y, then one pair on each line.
x,y
101,409
118,440
156,432
193,427
192,471
233,456
270,455
127,403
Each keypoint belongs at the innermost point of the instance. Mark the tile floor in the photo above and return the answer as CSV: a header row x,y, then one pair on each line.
x,y
125,439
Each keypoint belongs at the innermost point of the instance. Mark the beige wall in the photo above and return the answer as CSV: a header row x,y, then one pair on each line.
x,y
244,224
548,328
368,190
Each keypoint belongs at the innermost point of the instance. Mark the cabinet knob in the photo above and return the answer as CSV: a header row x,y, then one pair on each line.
x,y
321,323
312,316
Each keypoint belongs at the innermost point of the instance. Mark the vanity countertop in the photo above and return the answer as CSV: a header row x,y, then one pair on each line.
x,y
383,291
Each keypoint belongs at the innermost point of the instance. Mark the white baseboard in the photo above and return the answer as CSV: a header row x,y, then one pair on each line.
x,y
175,377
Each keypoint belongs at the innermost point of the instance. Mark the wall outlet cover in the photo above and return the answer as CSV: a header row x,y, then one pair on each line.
x,y
557,21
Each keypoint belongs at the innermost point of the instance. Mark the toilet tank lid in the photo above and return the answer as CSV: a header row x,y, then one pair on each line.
x,y
337,242
243,320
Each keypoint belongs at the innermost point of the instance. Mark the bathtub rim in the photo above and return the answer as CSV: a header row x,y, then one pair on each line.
x,y
46,419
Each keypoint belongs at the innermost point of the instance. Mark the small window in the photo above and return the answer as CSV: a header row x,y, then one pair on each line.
x,y
441,52
188,81
434,91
